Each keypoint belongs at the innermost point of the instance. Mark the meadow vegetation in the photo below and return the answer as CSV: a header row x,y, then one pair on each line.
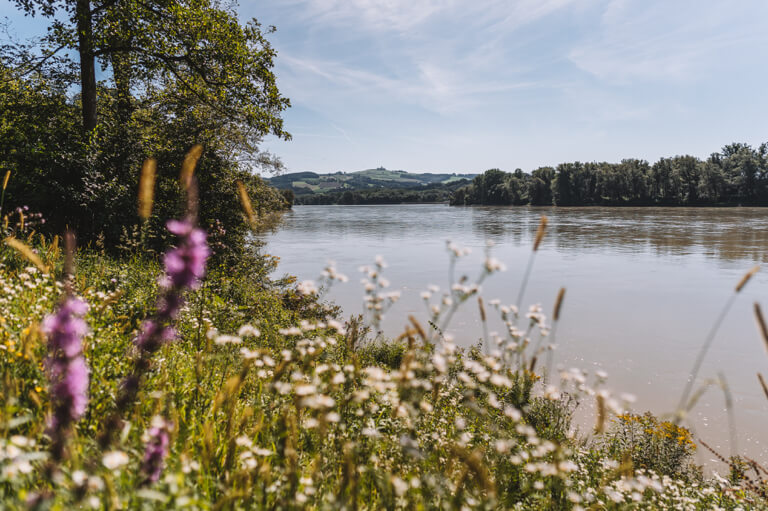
x,y
261,395
158,363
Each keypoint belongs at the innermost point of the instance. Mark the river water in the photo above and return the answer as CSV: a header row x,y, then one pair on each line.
x,y
644,286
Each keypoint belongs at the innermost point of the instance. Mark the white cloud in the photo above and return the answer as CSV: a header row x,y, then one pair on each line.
x,y
406,15
431,86
667,41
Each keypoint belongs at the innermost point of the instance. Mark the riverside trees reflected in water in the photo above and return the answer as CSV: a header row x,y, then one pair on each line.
x,y
724,233
644,286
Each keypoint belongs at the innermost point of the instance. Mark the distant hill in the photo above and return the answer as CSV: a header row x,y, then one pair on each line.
x,y
305,183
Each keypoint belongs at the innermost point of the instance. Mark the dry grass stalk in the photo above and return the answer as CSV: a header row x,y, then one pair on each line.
x,y
540,232
481,305
763,384
746,277
601,414
246,202
558,303
761,324
147,187
27,253
747,481
189,164
6,178
419,329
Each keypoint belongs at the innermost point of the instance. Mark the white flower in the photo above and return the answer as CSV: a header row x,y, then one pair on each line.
x,y
248,354
307,287
227,339
399,486
243,441
79,477
305,390
492,265
248,330
113,460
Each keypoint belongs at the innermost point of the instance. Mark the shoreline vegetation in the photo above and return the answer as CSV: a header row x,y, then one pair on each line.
x,y
188,380
735,176
149,359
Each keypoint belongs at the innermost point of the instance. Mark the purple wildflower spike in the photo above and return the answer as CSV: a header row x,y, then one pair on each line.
x,y
184,267
66,366
185,264
157,443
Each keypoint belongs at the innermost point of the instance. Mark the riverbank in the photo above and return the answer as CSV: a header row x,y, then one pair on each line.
x,y
268,398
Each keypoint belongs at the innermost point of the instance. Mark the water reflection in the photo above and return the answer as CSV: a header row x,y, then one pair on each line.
x,y
730,234
643,284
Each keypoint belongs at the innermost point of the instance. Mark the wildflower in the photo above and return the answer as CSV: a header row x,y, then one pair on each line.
x,y
185,264
67,370
114,460
157,442
307,287
248,331
184,267
228,339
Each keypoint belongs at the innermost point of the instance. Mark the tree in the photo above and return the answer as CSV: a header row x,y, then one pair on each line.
x,y
196,48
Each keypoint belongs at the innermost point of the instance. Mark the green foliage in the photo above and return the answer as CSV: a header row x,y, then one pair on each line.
x,y
438,192
176,74
736,175
275,404
651,444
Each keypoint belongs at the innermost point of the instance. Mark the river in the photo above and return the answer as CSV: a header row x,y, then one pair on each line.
x,y
644,286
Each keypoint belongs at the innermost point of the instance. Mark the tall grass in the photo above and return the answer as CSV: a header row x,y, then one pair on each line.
x,y
268,399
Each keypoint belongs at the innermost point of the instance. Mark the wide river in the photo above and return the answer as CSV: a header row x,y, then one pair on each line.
x,y
644,286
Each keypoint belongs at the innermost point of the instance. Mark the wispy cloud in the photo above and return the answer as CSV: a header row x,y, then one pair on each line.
x,y
669,41
508,83
430,86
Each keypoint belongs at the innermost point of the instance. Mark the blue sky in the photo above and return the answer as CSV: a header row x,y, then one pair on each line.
x,y
462,86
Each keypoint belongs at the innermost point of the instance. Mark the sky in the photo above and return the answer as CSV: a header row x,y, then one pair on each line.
x,y
463,86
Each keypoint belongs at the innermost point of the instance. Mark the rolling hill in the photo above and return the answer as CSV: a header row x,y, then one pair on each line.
x,y
304,183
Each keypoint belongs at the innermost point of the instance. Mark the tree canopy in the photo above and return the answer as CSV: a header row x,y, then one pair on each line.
x,y
738,174
112,82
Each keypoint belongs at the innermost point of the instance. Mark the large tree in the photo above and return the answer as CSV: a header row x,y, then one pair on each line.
x,y
196,50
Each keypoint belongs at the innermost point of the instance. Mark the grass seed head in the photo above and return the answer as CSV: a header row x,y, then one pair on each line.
x,y
189,164
558,304
147,187
540,232
746,277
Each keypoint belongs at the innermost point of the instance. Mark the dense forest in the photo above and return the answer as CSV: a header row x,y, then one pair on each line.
x,y
737,175
437,192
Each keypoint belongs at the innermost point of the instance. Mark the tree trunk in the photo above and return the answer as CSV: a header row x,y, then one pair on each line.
x,y
87,64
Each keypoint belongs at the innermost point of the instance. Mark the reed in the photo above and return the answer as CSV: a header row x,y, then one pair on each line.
x,y
188,166
711,337
2,194
245,202
27,253
553,334
147,187
762,384
540,233
761,325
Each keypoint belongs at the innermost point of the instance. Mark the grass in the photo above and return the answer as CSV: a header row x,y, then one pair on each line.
x,y
275,402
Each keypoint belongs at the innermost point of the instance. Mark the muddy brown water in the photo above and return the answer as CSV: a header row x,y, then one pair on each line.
x,y
644,286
